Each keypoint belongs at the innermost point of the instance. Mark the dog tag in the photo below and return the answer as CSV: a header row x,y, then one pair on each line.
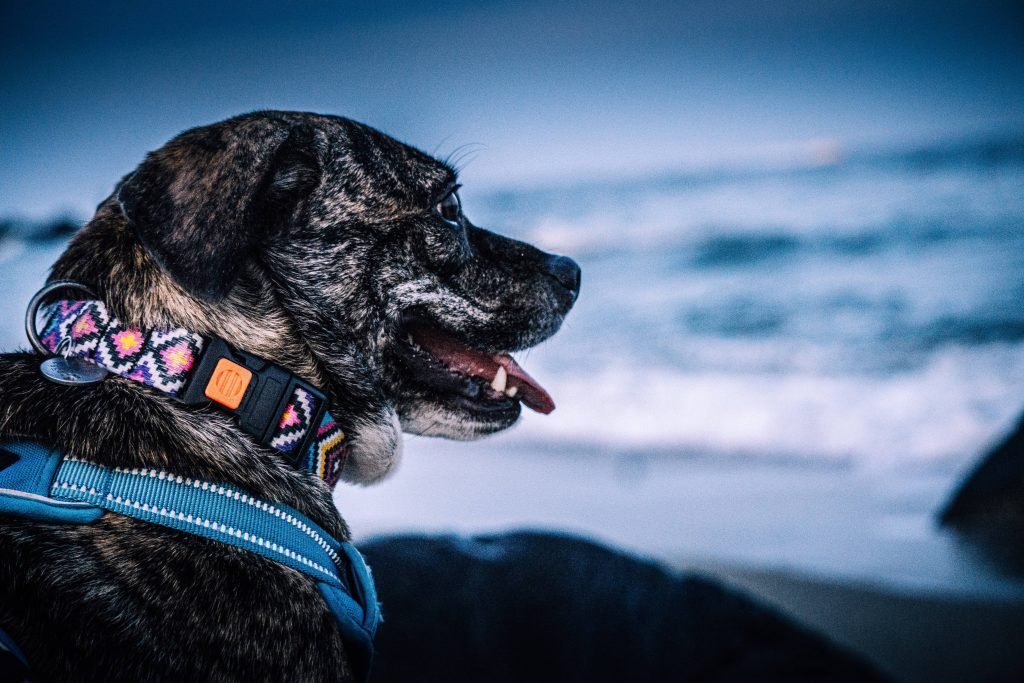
x,y
72,371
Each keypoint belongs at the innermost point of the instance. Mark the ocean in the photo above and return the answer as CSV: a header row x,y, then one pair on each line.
x,y
868,311
781,365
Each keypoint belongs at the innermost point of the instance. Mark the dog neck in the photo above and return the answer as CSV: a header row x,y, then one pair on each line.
x,y
108,256
273,406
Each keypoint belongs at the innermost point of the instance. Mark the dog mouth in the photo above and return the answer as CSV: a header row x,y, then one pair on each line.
x,y
478,380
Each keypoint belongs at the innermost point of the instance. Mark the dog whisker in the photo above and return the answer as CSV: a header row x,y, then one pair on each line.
x,y
456,157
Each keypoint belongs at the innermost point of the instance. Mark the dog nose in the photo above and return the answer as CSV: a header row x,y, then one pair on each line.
x,y
566,272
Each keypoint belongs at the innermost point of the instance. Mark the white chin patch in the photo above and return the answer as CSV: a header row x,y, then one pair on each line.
x,y
435,421
374,451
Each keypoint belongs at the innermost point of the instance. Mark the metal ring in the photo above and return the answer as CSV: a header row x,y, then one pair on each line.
x,y
37,301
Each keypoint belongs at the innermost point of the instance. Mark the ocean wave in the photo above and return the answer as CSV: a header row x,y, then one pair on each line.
x,y
747,247
48,231
945,411
730,250
855,209
971,331
985,153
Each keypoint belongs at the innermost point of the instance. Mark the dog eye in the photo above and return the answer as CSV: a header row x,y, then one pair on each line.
x,y
450,208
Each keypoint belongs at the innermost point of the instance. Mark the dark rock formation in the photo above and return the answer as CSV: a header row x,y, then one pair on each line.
x,y
544,607
987,511
993,494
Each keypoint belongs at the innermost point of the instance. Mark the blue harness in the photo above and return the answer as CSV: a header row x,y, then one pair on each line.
x,y
39,483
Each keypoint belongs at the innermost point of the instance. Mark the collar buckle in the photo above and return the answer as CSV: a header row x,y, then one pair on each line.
x,y
254,389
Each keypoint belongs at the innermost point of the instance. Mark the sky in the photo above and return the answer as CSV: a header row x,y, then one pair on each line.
x,y
532,92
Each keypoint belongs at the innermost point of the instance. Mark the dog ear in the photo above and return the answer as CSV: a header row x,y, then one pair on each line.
x,y
204,202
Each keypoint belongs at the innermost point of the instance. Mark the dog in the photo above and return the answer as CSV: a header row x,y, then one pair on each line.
x,y
329,249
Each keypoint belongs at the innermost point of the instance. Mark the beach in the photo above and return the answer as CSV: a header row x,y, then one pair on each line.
x,y
858,560
914,636
776,375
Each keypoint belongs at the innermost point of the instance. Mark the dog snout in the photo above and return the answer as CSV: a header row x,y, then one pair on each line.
x,y
566,272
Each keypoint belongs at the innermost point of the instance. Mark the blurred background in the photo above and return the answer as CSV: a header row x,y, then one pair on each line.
x,y
801,227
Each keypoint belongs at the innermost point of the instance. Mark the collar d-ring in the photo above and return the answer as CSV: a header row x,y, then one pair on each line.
x,y
37,300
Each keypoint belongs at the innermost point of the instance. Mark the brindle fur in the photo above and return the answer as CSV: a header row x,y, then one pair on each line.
x,y
304,239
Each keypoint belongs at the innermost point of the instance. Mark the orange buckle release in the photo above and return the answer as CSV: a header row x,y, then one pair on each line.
x,y
228,383
254,389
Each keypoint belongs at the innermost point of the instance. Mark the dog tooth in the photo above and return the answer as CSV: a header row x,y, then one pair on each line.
x,y
499,380
511,392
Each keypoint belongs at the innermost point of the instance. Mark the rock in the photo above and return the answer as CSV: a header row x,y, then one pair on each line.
x,y
987,509
531,606
994,492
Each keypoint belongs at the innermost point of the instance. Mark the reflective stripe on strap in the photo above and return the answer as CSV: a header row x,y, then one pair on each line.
x,y
204,509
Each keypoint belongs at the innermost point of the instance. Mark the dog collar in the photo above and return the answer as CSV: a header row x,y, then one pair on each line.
x,y
273,405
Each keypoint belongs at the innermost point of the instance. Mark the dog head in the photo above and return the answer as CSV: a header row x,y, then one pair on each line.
x,y
409,311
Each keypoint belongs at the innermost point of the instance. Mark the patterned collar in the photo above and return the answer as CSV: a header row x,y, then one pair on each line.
x,y
274,406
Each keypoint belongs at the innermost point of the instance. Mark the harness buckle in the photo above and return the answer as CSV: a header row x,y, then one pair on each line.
x,y
254,389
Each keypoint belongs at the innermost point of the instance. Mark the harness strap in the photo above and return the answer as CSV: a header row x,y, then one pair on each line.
x,y
277,408
13,665
204,509
40,483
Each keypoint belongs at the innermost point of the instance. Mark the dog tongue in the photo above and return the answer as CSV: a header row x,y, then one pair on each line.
x,y
532,393
463,359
